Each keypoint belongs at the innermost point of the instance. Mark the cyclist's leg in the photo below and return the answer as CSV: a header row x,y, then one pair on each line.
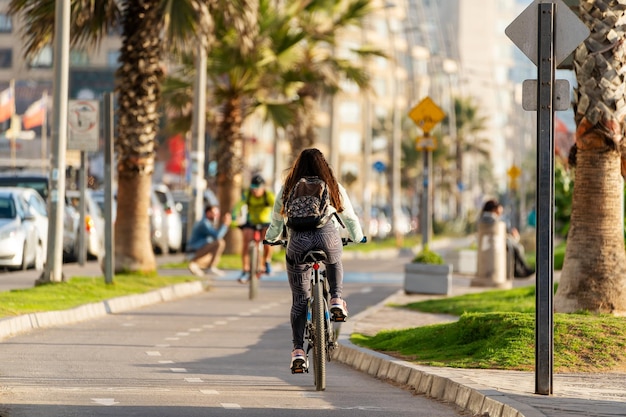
x,y
299,282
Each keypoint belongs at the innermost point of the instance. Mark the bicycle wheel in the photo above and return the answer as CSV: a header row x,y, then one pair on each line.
x,y
253,281
320,345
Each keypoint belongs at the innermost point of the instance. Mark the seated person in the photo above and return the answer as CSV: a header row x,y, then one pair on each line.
x,y
206,243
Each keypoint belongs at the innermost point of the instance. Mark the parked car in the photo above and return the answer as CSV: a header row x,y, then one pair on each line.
x,y
172,217
158,220
40,183
94,223
23,229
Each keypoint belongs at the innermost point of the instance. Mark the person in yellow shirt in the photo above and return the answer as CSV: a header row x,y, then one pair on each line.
x,y
259,202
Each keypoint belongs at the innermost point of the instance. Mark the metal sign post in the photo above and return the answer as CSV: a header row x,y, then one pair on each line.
x,y
426,114
557,35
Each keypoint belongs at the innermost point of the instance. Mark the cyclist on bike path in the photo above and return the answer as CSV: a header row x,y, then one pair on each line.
x,y
259,201
311,162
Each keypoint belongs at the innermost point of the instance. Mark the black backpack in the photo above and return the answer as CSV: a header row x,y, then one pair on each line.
x,y
308,205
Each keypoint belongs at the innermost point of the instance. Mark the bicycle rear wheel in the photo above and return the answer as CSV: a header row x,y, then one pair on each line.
x,y
253,280
319,331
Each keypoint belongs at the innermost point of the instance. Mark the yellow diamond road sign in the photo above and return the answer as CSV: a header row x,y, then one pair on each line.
x,y
426,114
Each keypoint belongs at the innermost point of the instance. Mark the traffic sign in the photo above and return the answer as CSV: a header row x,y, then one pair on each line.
x,y
426,114
570,31
83,123
425,143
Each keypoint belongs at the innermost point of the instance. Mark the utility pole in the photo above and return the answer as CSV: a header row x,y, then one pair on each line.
x,y
56,195
197,138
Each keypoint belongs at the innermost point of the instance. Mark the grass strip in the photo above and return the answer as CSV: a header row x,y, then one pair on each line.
x,y
78,291
496,330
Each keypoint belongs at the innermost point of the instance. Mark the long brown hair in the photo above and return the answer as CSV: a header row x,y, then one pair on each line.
x,y
311,163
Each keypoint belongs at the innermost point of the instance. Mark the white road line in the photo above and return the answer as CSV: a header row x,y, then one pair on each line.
x,y
234,318
162,346
221,322
194,329
245,314
208,326
193,380
153,353
181,370
366,290
104,401
209,391
182,334
172,338
166,362
128,324
231,406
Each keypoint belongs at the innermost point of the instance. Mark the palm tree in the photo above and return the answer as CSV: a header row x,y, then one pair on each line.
x,y
148,29
594,270
320,70
242,82
469,124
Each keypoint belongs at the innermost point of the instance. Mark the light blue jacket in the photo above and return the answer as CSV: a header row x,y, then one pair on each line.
x,y
203,232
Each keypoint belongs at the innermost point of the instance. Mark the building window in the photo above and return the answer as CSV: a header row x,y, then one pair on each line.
x,y
43,58
79,58
6,58
5,24
112,58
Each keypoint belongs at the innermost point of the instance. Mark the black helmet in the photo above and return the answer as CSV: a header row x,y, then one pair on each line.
x,y
256,181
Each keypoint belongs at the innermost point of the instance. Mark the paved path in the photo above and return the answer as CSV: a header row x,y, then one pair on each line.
x,y
486,393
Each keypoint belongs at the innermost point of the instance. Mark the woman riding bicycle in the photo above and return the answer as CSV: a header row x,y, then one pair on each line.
x,y
311,163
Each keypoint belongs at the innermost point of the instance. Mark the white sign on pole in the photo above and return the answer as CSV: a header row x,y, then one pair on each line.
x,y
570,31
83,125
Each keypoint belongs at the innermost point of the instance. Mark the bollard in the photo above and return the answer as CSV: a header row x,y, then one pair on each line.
x,y
491,267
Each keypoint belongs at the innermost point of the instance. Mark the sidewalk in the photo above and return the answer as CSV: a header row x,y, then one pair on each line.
x,y
483,392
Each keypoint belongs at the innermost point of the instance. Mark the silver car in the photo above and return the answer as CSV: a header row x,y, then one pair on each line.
x,y
23,229
94,223
173,221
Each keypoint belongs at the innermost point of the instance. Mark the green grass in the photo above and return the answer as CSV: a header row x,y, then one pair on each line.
x,y
78,291
496,330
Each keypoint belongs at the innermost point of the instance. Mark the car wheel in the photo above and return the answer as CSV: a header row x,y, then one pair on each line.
x,y
24,264
40,258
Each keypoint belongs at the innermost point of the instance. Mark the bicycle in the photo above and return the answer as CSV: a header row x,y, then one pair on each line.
x,y
255,251
320,332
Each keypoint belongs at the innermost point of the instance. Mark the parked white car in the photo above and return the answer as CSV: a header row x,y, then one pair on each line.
x,y
94,223
23,229
173,221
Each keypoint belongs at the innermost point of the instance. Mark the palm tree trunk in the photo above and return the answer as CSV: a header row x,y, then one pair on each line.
x,y
594,270
138,93
230,166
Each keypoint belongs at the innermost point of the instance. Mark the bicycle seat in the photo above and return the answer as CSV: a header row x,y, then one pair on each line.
x,y
315,256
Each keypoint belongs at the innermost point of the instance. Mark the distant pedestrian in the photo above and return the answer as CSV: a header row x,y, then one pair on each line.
x,y
206,243
492,213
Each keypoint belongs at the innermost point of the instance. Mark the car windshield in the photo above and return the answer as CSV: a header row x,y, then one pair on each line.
x,y
7,208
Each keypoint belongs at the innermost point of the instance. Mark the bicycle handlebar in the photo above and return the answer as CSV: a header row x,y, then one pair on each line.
x,y
283,242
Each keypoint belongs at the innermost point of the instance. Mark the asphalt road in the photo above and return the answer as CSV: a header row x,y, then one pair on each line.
x,y
213,354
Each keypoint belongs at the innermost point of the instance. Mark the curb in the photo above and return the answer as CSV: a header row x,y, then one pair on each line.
x,y
432,382
13,326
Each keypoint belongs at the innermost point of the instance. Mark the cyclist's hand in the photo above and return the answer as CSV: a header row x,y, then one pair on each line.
x,y
364,240
227,219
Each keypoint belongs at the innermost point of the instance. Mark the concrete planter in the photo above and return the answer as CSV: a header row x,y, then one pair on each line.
x,y
427,279
463,261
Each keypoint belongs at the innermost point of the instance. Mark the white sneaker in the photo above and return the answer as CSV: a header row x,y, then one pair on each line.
x,y
216,271
195,269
